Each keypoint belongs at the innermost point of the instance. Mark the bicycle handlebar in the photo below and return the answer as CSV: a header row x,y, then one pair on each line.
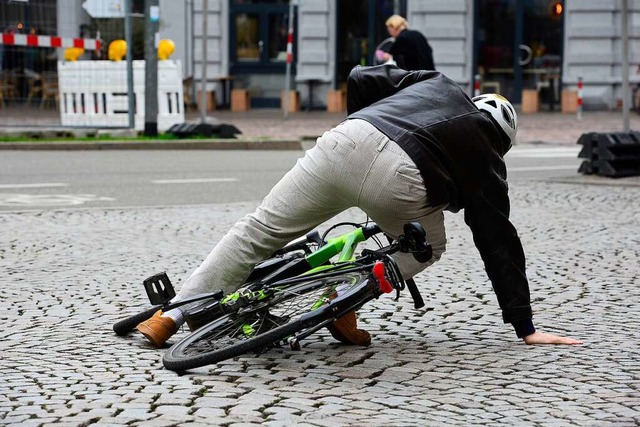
x,y
370,230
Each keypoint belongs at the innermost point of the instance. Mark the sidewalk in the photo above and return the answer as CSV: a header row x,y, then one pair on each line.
x,y
550,128
261,124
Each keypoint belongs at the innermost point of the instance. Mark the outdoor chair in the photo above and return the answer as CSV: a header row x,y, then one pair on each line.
x,y
34,84
49,85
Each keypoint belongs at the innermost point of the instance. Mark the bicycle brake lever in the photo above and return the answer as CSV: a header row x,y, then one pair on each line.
x,y
314,237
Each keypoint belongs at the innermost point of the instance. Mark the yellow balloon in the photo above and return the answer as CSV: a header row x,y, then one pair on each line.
x,y
117,50
166,48
73,53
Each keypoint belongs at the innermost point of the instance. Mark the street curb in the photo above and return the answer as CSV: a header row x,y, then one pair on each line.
x,y
180,144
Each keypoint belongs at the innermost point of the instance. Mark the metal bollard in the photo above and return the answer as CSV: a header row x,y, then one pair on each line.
x,y
476,85
579,110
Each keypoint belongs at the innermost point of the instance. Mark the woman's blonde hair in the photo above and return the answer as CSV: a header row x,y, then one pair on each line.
x,y
396,21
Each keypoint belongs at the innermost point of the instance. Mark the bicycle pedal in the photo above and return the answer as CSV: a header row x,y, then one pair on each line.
x,y
159,289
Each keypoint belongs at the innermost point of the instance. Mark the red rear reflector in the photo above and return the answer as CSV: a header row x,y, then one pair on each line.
x,y
383,283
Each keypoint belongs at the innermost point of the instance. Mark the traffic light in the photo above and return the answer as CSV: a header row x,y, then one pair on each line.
x,y
556,9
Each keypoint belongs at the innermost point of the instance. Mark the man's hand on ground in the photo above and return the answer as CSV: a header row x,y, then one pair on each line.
x,y
544,338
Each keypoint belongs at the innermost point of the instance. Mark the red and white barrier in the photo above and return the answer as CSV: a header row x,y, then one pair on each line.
x,y
94,94
48,41
476,85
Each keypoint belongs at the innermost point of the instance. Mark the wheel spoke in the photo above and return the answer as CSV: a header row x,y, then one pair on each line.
x,y
275,318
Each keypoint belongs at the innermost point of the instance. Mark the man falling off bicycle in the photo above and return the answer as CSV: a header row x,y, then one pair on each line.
x,y
413,145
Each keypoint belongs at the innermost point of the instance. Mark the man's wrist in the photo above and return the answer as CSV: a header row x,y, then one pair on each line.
x,y
523,327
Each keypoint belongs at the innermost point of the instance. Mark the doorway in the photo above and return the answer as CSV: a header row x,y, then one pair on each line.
x,y
518,46
258,53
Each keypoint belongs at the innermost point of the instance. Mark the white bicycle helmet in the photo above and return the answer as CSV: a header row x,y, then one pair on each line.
x,y
502,112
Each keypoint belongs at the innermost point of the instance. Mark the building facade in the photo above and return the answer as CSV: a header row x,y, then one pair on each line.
x,y
509,46
512,46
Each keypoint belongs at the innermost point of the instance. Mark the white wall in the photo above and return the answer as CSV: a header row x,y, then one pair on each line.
x,y
173,26
217,55
70,16
448,25
316,48
593,49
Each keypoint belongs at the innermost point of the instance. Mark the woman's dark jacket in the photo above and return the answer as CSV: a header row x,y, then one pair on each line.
x,y
411,51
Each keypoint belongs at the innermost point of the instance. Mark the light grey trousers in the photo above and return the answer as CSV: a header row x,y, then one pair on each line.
x,y
352,165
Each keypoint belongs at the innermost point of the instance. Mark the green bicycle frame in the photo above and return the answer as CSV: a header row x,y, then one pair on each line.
x,y
345,245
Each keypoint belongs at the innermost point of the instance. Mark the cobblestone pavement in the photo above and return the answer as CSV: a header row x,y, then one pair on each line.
x,y
68,275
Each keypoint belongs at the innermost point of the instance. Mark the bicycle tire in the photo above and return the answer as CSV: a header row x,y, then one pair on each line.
x,y
223,339
124,326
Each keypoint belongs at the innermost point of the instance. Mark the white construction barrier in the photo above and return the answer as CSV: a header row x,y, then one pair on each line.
x,y
94,94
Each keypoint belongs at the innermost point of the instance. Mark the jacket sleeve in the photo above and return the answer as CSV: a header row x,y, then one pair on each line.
x,y
366,85
487,214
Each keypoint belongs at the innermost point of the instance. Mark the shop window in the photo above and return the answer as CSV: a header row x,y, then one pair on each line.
x,y
259,36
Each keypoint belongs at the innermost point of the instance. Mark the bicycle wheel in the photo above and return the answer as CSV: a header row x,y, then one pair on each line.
x,y
264,325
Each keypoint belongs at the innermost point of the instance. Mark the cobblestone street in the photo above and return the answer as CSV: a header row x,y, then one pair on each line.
x,y
68,275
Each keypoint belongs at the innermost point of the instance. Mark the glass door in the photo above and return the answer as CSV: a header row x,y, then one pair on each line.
x,y
518,46
258,53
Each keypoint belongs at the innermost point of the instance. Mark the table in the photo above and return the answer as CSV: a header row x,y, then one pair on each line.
x,y
544,78
226,83
310,83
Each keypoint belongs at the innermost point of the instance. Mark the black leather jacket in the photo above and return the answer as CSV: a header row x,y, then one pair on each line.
x,y
459,152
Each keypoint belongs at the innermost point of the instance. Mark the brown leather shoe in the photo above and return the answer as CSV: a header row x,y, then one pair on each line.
x,y
158,329
346,331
